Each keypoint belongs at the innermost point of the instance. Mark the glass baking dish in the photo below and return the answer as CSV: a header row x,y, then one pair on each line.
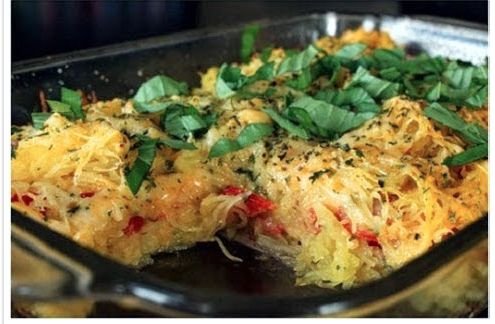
x,y
449,280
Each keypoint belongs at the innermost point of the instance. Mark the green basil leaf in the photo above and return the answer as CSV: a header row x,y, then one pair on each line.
x,y
302,81
246,95
249,135
253,133
177,144
459,78
39,119
471,133
390,74
61,108
287,124
229,79
74,100
142,165
265,72
298,61
358,98
160,86
472,154
351,52
377,88
329,118
479,99
223,146
182,126
434,93
266,53
248,38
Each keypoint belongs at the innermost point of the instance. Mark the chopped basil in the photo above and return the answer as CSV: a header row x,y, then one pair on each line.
x,y
356,98
155,88
249,135
472,154
176,144
39,119
287,124
142,165
351,52
74,100
471,133
181,121
298,61
330,121
229,79
376,87
248,38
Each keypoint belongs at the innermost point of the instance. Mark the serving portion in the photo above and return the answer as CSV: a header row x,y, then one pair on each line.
x,y
345,159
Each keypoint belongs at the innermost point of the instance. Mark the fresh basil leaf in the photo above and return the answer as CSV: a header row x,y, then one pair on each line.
x,y
298,61
182,120
265,72
160,86
142,165
246,95
248,38
61,108
177,144
287,124
390,74
223,146
471,133
74,100
302,81
434,93
253,133
249,135
422,64
477,100
472,154
329,118
266,53
351,52
39,119
358,98
458,78
229,79
376,87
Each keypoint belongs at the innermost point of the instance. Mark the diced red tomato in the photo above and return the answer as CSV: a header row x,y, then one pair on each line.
x,y
313,221
14,198
273,229
27,200
87,194
257,204
134,225
232,191
368,236
364,235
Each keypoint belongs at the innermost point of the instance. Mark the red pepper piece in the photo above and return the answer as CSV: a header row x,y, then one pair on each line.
x,y
232,191
14,198
257,204
134,225
369,237
27,200
273,229
87,194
